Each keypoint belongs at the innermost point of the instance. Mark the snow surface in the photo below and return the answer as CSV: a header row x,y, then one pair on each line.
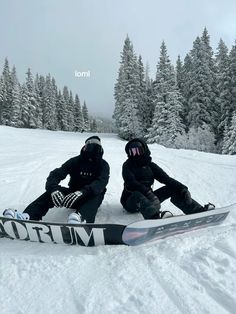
x,y
190,273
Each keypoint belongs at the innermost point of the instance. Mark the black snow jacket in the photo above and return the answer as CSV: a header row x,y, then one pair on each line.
x,y
85,175
140,176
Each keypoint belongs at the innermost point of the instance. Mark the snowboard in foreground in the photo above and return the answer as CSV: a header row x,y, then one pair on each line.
x,y
108,234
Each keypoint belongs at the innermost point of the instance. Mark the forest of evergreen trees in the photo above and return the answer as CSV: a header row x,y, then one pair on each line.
x,y
39,103
190,105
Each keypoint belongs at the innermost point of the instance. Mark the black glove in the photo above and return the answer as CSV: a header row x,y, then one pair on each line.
x,y
185,194
70,199
57,198
154,199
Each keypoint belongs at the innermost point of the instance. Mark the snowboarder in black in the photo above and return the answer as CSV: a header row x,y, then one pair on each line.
x,y
139,173
89,175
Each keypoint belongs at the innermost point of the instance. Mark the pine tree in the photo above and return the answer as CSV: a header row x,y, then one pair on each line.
x,y
60,110
126,114
16,101
66,99
232,74
180,74
86,125
93,127
167,124
118,92
186,90
39,85
229,146
32,101
149,100
210,66
50,96
6,95
200,101
223,99
147,79
144,111
2,92
71,111
25,105
78,115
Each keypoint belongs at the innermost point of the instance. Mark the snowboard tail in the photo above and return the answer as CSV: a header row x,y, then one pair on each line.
x,y
44,232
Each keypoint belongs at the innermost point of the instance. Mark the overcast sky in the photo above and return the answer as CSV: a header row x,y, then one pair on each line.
x,y
64,36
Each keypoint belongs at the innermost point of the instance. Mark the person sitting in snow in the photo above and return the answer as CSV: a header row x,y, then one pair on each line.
x,y
139,173
89,175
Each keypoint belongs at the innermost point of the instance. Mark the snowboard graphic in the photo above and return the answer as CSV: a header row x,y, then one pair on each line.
x,y
109,234
149,230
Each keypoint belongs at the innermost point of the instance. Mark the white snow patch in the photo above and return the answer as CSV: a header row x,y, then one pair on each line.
x,y
191,273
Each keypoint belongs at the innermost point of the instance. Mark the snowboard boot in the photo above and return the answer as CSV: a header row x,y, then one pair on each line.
x,y
14,214
75,218
209,206
165,214
162,215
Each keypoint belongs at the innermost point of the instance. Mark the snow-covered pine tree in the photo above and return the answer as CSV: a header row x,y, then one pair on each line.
x,y
16,119
86,125
39,84
60,112
224,97
147,79
149,98
49,110
181,71
229,137
93,126
118,92
144,110
200,101
232,74
78,115
167,124
25,105
186,89
179,74
229,145
210,66
71,111
126,112
31,101
66,98
6,95
2,92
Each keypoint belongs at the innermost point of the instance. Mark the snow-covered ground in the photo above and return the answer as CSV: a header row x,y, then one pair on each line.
x,y
190,273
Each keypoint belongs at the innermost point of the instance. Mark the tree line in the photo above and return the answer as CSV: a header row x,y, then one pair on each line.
x,y
191,104
39,103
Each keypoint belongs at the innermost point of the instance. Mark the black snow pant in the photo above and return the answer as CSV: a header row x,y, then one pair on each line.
x,y
88,209
137,202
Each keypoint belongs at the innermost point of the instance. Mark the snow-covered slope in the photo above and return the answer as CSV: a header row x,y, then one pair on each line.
x,y
191,273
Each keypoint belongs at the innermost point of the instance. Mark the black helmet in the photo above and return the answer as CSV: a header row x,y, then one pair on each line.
x,y
93,140
136,147
93,148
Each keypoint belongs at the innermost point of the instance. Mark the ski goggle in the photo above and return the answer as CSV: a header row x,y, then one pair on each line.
x,y
92,148
93,141
136,150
